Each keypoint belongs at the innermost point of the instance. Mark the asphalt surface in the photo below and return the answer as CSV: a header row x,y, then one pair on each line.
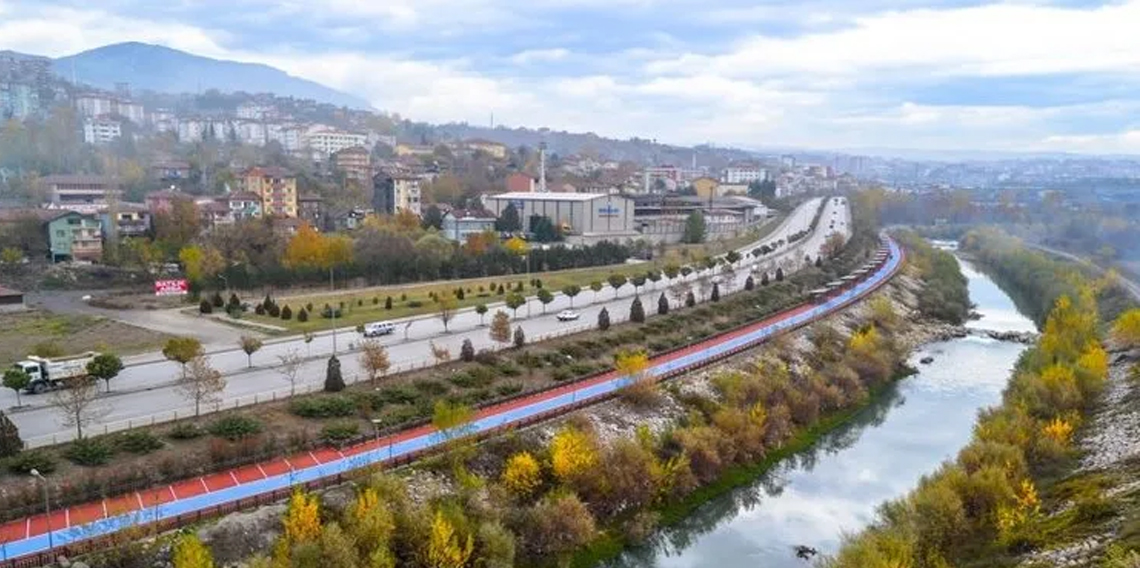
x,y
145,392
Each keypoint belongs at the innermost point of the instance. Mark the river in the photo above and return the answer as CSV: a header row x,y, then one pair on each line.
x,y
834,488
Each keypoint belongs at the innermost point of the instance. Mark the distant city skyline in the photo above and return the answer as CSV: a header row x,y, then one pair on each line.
x,y
1056,76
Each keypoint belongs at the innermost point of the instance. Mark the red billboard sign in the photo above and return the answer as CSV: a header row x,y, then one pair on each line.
x,y
177,287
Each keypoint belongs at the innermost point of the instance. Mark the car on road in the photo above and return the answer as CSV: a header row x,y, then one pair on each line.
x,y
376,329
568,315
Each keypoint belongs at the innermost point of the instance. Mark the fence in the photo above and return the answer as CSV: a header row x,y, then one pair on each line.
x,y
673,363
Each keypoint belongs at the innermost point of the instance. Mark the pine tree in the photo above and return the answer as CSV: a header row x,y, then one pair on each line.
x,y
520,337
636,311
467,351
662,305
334,381
690,299
715,292
764,279
779,275
749,284
603,319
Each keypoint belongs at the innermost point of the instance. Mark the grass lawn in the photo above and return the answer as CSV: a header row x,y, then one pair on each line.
x,y
367,304
22,332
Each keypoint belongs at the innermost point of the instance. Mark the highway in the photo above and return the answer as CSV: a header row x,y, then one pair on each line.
x,y
146,392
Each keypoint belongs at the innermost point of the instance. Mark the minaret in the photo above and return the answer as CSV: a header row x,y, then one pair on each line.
x,y
542,167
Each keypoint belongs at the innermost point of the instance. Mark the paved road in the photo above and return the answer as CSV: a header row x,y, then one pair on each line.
x,y
1132,287
146,392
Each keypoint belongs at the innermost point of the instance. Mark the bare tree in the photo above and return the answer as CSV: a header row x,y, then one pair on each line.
x,y
441,354
290,368
202,383
75,403
374,359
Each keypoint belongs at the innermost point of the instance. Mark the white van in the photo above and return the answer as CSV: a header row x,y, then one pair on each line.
x,y
377,329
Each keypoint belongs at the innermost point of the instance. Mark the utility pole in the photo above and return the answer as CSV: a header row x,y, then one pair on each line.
x,y
542,167
47,508
333,309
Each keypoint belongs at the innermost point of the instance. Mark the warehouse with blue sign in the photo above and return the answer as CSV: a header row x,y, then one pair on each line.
x,y
588,216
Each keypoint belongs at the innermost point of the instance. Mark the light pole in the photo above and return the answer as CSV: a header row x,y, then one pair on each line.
x,y
376,422
47,507
333,309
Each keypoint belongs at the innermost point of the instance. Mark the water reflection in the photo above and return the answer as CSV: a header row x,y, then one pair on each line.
x,y
813,497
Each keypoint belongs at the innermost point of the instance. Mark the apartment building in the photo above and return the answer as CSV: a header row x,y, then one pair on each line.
x,y
94,105
100,131
82,193
325,141
276,186
743,174
69,235
393,192
355,162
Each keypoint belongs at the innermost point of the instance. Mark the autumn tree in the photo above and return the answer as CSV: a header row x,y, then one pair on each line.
x,y
302,523
374,359
446,305
641,389
440,353
290,367
445,547
522,474
309,250
201,383
249,345
189,552
501,328
1126,328
182,350
572,453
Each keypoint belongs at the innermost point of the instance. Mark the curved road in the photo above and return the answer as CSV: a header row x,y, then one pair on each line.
x,y
184,501
146,393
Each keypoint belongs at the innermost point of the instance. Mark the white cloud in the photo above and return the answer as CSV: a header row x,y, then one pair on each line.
x,y
532,56
1127,142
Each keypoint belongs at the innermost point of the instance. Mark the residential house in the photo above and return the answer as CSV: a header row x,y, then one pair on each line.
x,y
161,201
355,162
242,205
392,192
82,193
214,212
70,235
519,182
347,220
459,223
276,186
494,149
102,130
126,219
311,209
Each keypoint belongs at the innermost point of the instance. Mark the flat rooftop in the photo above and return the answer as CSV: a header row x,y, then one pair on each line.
x,y
554,196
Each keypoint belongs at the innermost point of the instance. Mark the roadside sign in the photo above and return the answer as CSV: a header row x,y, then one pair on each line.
x,y
177,287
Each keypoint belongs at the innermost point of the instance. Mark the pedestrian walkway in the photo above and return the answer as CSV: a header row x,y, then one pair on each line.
x,y
24,542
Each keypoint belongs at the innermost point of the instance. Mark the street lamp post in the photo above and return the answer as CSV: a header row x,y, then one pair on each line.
x,y
332,310
47,508
376,422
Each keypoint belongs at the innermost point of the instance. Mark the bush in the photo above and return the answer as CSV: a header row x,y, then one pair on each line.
x,y
138,442
467,351
415,304
309,306
487,357
205,307
475,378
508,369
89,452
509,389
403,394
561,375
603,320
273,311
375,301
330,312
236,427
388,303
217,300
581,369
286,313
323,407
520,337
431,387
184,431
24,462
259,310
303,315
340,432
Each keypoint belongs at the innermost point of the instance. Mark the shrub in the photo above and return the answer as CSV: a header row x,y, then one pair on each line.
x,y
508,369
375,300
323,407
581,369
415,304
205,307
520,337
486,357
303,315
400,395
474,378
509,389
388,303
89,452
286,313
24,462
184,431
603,320
235,427
403,297
340,432
636,311
431,387
561,375
217,300
309,306
273,311
259,310
330,312
138,442
467,351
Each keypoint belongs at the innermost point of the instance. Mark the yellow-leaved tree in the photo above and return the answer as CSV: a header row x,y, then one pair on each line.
x,y
445,548
370,522
189,552
302,519
1126,328
522,474
1058,430
572,452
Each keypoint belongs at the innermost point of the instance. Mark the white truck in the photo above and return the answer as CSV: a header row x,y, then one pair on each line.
x,y
51,373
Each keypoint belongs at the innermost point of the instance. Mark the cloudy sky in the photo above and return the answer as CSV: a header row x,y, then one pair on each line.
x,y
840,74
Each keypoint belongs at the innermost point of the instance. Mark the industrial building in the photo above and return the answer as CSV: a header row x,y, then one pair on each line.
x,y
586,215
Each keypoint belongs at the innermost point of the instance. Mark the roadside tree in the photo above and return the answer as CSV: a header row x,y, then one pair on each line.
x,y
105,366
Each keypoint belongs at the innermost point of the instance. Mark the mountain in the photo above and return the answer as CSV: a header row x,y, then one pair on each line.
x,y
162,69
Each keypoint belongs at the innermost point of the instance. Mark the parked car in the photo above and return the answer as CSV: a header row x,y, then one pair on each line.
x,y
377,329
568,315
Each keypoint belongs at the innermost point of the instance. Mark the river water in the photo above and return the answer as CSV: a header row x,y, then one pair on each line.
x,y
834,488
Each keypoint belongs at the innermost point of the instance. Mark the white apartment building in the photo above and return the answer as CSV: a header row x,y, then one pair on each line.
x,y
254,111
249,132
743,174
326,140
286,134
101,131
94,105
